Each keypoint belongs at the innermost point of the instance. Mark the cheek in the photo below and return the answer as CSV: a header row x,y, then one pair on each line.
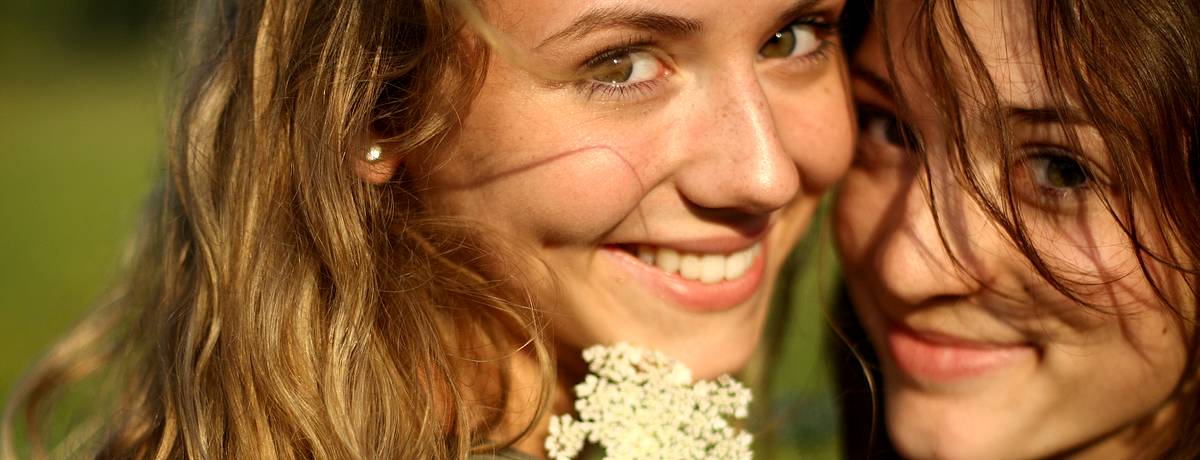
x,y
862,204
576,195
580,196
815,128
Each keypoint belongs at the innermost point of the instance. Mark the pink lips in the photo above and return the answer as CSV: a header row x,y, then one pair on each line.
x,y
695,295
940,359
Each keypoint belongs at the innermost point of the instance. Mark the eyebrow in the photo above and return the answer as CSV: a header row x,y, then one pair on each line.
x,y
874,80
649,20
1029,115
621,16
1049,114
800,8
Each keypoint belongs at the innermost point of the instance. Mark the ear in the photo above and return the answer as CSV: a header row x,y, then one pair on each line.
x,y
377,164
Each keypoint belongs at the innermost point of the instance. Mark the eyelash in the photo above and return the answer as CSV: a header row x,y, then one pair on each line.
x,y
1022,176
824,29
590,88
1049,197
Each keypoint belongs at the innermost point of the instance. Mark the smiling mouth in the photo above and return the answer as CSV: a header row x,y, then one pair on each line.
x,y
707,268
935,358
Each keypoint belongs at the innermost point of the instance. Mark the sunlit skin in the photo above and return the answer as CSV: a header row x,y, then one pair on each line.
x,y
988,360
703,126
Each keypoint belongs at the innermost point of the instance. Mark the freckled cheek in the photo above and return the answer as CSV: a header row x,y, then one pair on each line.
x,y
575,198
817,135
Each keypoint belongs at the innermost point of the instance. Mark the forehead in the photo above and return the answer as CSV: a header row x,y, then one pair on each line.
x,y
1000,32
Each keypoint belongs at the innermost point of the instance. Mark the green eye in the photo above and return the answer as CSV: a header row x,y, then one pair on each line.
x,y
797,39
616,71
780,45
1065,173
1057,171
626,68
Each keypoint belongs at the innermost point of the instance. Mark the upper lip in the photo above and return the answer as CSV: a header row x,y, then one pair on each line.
x,y
740,238
958,340
715,244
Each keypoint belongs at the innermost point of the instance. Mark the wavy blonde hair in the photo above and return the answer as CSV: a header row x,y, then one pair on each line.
x,y
278,306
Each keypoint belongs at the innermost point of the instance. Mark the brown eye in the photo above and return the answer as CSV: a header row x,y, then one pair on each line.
x,y
1057,171
884,128
797,39
626,68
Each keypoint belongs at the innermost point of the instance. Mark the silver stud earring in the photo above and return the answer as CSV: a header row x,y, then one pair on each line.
x,y
374,154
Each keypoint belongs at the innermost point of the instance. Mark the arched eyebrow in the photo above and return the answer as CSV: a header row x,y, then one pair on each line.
x,y
626,17
650,21
877,82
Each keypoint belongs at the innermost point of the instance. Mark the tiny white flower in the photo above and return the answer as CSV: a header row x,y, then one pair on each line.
x,y
640,404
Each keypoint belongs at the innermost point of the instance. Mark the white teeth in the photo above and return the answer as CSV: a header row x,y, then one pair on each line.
x,y
706,268
667,260
736,266
713,269
689,266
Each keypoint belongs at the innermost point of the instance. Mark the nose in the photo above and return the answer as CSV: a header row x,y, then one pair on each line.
x,y
737,161
926,258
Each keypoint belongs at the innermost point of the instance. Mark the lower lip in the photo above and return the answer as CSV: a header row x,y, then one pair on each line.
x,y
695,295
925,358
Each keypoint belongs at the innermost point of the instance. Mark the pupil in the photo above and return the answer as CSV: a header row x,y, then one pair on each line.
x,y
895,132
1065,173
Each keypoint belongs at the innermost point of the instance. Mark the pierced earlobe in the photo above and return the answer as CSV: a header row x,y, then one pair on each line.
x,y
376,167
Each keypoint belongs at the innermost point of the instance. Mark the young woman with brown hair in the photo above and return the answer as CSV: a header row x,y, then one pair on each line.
x,y
1019,226
385,234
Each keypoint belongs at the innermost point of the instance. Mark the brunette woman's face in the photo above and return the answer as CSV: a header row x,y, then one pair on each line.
x,y
984,358
661,158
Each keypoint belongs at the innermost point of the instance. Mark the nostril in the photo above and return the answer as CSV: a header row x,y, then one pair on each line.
x,y
744,223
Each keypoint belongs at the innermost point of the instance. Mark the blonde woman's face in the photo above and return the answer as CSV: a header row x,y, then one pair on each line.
x,y
660,158
987,360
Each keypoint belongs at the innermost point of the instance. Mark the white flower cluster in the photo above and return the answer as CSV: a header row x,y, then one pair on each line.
x,y
640,404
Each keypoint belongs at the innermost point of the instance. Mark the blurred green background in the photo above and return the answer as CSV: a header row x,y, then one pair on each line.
x,y
83,109
81,130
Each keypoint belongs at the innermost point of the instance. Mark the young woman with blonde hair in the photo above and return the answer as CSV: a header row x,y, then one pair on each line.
x,y
387,227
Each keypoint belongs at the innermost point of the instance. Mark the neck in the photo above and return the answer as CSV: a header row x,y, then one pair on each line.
x,y
524,398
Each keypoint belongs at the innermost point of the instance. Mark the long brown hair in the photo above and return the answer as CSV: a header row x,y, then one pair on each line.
x,y
277,305
1133,69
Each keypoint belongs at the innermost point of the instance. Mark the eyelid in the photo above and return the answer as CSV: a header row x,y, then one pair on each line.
x,y
1095,172
823,21
819,22
590,87
912,136
822,28
628,46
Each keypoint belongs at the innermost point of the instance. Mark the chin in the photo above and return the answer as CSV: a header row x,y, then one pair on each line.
x,y
926,442
710,345
938,431
729,359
